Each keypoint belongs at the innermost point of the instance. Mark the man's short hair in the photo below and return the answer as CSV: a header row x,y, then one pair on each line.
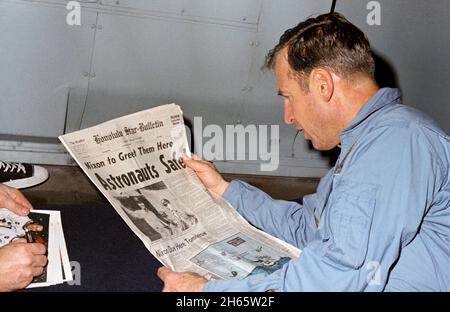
x,y
329,41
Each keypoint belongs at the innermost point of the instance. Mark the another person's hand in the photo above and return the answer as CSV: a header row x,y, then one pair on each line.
x,y
19,263
208,174
180,281
13,200
33,227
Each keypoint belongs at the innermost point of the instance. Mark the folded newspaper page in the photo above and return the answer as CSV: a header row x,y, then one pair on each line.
x,y
136,162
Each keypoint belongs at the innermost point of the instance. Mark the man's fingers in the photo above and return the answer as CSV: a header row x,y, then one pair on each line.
x,y
192,157
196,158
36,248
19,197
34,227
199,165
18,241
180,281
14,206
13,200
163,272
37,270
40,261
195,165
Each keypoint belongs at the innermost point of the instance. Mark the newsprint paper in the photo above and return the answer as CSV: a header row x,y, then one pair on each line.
x,y
136,162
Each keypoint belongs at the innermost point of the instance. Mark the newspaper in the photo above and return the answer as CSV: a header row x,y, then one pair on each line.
x,y
136,162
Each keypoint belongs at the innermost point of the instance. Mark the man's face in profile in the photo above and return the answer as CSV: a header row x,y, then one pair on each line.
x,y
304,108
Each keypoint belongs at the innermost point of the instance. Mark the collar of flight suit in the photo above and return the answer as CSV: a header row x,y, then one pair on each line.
x,y
382,98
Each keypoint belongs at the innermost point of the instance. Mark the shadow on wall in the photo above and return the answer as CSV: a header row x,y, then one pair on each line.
x,y
385,75
190,126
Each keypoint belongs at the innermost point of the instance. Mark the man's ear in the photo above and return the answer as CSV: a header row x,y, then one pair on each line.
x,y
321,81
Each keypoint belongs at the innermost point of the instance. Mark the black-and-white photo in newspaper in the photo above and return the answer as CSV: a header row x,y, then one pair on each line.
x,y
156,212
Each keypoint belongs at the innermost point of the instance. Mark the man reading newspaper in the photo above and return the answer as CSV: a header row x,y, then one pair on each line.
x,y
380,220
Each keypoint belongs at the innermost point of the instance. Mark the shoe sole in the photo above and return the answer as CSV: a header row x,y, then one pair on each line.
x,y
40,176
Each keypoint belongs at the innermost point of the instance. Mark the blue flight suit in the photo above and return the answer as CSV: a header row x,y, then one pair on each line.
x,y
383,210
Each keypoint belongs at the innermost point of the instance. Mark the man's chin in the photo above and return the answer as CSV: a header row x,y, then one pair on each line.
x,y
317,147
320,147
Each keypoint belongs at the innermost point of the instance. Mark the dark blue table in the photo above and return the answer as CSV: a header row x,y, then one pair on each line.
x,y
110,255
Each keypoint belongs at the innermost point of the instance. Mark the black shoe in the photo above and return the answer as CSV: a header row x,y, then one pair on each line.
x,y
21,175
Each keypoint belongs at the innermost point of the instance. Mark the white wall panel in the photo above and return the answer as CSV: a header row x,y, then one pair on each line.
x,y
140,63
42,60
242,11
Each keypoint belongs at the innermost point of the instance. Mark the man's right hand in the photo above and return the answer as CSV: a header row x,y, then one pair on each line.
x,y
14,200
19,263
208,174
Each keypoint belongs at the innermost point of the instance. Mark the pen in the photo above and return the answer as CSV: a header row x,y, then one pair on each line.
x,y
28,236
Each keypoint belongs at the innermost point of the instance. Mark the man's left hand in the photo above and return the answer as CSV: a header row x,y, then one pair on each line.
x,y
13,200
180,281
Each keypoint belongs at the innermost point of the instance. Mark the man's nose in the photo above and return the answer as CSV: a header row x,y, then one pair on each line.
x,y
288,115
